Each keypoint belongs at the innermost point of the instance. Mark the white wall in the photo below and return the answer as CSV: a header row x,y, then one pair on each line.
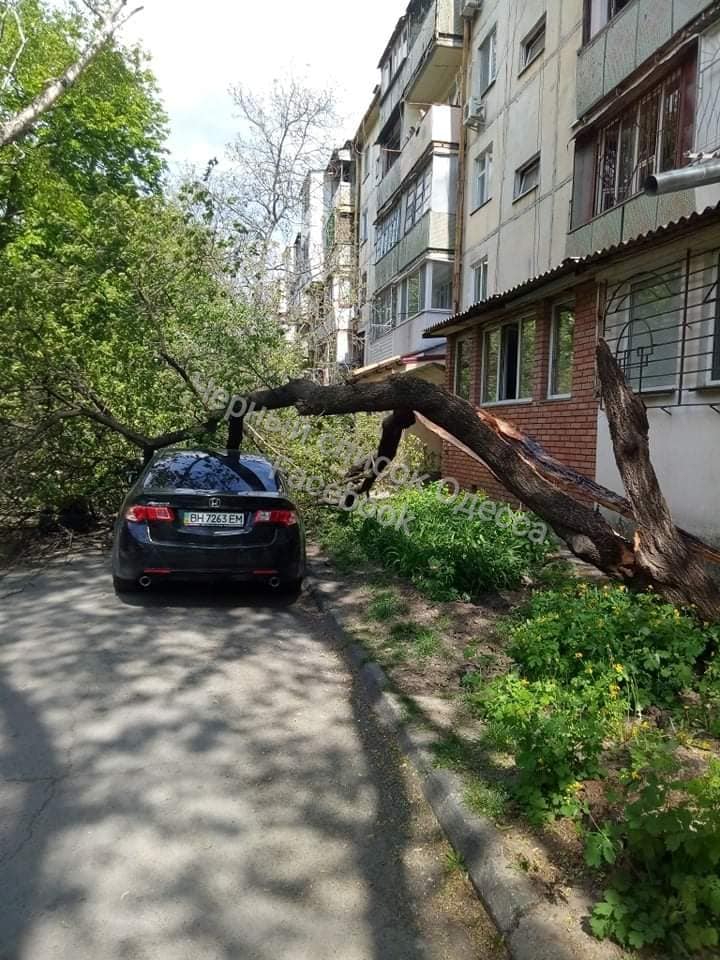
x,y
685,451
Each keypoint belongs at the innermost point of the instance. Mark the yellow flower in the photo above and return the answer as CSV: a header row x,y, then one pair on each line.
x,y
578,656
619,668
614,690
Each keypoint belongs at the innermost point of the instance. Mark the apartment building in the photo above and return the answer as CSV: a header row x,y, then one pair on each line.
x,y
567,246
322,296
407,147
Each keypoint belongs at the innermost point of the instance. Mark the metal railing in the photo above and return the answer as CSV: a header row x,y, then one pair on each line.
x,y
663,326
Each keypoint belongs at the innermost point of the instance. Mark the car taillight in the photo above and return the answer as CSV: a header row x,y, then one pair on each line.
x,y
139,513
284,518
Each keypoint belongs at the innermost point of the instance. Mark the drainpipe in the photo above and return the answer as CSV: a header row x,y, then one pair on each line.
x,y
462,147
687,178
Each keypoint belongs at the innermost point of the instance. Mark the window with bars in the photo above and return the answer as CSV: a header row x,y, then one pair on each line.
x,y
508,361
644,140
417,199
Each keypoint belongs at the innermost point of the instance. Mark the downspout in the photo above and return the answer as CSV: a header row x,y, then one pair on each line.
x,y
460,195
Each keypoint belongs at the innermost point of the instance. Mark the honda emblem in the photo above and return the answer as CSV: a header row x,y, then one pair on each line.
x,y
215,502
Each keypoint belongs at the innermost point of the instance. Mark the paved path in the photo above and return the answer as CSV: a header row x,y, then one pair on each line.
x,y
189,776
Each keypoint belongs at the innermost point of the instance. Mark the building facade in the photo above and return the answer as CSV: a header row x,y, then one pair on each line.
x,y
407,147
640,271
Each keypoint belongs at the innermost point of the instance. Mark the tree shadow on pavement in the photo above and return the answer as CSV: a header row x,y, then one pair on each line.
x,y
193,776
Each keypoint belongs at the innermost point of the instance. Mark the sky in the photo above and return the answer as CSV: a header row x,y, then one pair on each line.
x,y
199,48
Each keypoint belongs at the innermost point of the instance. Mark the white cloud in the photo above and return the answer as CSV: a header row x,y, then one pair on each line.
x,y
199,49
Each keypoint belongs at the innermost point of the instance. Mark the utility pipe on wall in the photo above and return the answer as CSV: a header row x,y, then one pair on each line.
x,y
460,194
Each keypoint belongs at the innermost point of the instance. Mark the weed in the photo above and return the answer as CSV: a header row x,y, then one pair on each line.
x,y
485,799
386,605
455,862
423,641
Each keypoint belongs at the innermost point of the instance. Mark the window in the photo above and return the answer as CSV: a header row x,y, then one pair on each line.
x,y
561,351
364,226
487,62
387,233
648,346
210,473
390,146
367,161
480,281
384,313
417,199
442,281
483,175
462,368
645,139
527,177
363,287
533,45
598,13
508,360
412,294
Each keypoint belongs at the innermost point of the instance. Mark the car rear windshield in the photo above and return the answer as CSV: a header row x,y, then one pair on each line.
x,y
211,472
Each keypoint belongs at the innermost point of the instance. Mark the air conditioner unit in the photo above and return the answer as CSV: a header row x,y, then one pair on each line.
x,y
474,112
470,8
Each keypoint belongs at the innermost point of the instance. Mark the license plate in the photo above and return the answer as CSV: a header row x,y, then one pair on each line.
x,y
214,519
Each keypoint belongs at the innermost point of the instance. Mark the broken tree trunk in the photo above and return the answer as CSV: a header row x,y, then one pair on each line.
x,y
526,471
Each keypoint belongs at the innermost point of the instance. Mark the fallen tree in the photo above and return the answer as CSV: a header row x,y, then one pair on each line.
x,y
660,556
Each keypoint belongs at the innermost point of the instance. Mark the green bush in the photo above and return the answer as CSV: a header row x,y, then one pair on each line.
x,y
556,731
648,644
667,849
449,551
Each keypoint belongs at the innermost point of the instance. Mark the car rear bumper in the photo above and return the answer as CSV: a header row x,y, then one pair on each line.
x,y
133,558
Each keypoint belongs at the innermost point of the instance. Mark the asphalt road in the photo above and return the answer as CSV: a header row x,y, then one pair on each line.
x,y
194,774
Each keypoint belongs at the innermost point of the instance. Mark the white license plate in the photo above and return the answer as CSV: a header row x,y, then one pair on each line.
x,y
214,519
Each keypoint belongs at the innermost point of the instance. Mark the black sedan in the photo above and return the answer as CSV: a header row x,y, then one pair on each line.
x,y
208,515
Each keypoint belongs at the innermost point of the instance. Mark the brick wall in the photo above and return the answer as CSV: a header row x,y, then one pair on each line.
x,y
566,428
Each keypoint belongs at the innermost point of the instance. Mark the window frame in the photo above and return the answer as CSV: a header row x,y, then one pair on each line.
x,y
490,39
481,268
557,310
539,31
522,171
458,357
520,323
610,12
486,156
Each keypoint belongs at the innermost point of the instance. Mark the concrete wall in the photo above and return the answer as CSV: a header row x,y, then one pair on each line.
x,y
626,42
528,111
685,450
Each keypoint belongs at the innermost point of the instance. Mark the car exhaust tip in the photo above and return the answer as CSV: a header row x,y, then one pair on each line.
x,y
145,582
274,582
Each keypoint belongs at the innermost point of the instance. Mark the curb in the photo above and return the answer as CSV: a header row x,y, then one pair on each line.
x,y
532,927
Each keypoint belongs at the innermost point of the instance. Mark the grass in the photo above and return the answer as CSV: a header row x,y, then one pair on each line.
x,y
485,799
386,605
423,641
455,862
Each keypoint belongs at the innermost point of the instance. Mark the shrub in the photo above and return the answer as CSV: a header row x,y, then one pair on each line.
x,y
650,645
669,843
556,731
451,552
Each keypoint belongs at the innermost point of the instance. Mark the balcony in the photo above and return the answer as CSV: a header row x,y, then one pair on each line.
x,y
405,338
433,58
441,124
630,39
342,198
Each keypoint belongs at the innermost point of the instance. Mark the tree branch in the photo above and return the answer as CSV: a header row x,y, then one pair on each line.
x,y
18,125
